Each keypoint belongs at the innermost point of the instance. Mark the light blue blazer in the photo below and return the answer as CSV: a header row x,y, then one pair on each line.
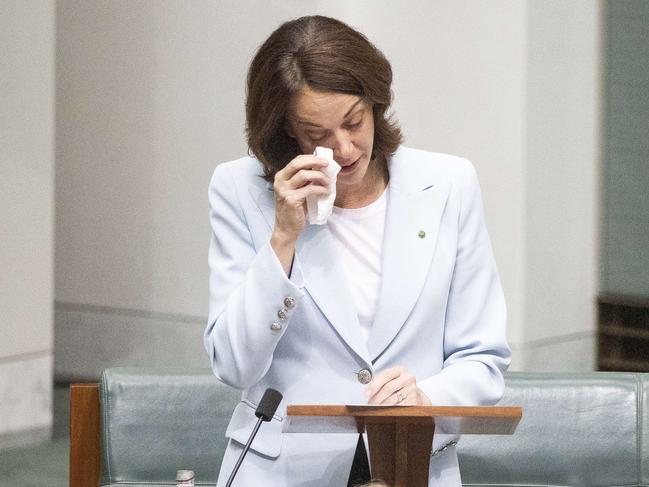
x,y
441,314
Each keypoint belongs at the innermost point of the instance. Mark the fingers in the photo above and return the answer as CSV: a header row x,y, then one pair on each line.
x,y
384,387
302,177
302,171
403,396
385,384
297,197
308,176
397,391
304,161
381,379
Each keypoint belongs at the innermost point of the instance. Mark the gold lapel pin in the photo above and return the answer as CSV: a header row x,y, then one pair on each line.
x,y
421,234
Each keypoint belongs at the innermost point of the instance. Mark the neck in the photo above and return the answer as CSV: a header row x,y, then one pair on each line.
x,y
368,191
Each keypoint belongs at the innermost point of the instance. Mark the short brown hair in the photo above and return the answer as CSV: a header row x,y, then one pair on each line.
x,y
327,55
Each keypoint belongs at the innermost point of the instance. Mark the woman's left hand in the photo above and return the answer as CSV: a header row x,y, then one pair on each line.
x,y
396,386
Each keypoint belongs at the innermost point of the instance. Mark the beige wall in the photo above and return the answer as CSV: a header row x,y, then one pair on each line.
x,y
26,212
150,98
562,168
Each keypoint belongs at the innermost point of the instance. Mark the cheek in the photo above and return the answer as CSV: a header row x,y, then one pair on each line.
x,y
368,138
369,130
306,147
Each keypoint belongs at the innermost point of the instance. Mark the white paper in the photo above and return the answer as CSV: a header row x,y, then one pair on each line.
x,y
319,207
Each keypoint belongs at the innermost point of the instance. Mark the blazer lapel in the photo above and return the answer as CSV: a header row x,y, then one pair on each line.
x,y
265,199
411,229
324,277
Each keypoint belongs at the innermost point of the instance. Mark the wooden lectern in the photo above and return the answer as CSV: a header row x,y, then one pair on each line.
x,y
400,437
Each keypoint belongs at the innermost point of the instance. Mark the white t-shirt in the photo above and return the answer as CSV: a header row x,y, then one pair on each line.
x,y
359,234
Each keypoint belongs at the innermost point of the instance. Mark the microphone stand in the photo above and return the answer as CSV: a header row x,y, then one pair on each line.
x,y
243,453
265,411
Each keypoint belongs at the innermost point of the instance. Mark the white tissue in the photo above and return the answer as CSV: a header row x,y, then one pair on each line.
x,y
319,207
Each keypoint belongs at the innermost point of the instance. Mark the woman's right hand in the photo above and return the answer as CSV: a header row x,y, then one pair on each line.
x,y
298,179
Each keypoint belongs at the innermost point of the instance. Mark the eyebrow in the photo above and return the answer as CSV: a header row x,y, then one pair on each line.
x,y
351,109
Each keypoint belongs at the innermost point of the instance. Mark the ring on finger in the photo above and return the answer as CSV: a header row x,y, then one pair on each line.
x,y
400,397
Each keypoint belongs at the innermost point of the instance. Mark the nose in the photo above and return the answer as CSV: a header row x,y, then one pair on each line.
x,y
343,148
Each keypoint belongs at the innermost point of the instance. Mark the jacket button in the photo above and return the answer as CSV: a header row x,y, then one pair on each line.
x,y
276,326
282,314
364,376
289,302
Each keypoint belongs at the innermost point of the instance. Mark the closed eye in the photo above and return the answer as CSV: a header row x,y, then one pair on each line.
x,y
353,125
317,137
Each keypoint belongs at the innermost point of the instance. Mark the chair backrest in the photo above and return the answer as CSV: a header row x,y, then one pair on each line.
x,y
158,421
577,429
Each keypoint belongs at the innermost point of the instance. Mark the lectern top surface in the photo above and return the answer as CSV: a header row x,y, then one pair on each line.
x,y
360,410
339,418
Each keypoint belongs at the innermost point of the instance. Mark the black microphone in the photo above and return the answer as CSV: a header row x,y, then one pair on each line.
x,y
265,411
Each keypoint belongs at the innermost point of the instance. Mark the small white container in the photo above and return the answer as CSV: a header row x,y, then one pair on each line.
x,y
185,478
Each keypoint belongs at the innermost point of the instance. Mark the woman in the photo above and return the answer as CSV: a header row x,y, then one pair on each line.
x,y
396,300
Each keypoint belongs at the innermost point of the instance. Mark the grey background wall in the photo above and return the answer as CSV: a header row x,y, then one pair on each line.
x,y
625,231
26,220
149,99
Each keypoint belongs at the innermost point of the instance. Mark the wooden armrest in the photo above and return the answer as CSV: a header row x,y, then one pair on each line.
x,y
85,435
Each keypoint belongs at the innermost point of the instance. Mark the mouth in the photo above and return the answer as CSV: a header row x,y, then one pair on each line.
x,y
350,167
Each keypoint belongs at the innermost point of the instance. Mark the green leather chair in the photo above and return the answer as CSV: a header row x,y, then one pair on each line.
x,y
577,430
158,421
